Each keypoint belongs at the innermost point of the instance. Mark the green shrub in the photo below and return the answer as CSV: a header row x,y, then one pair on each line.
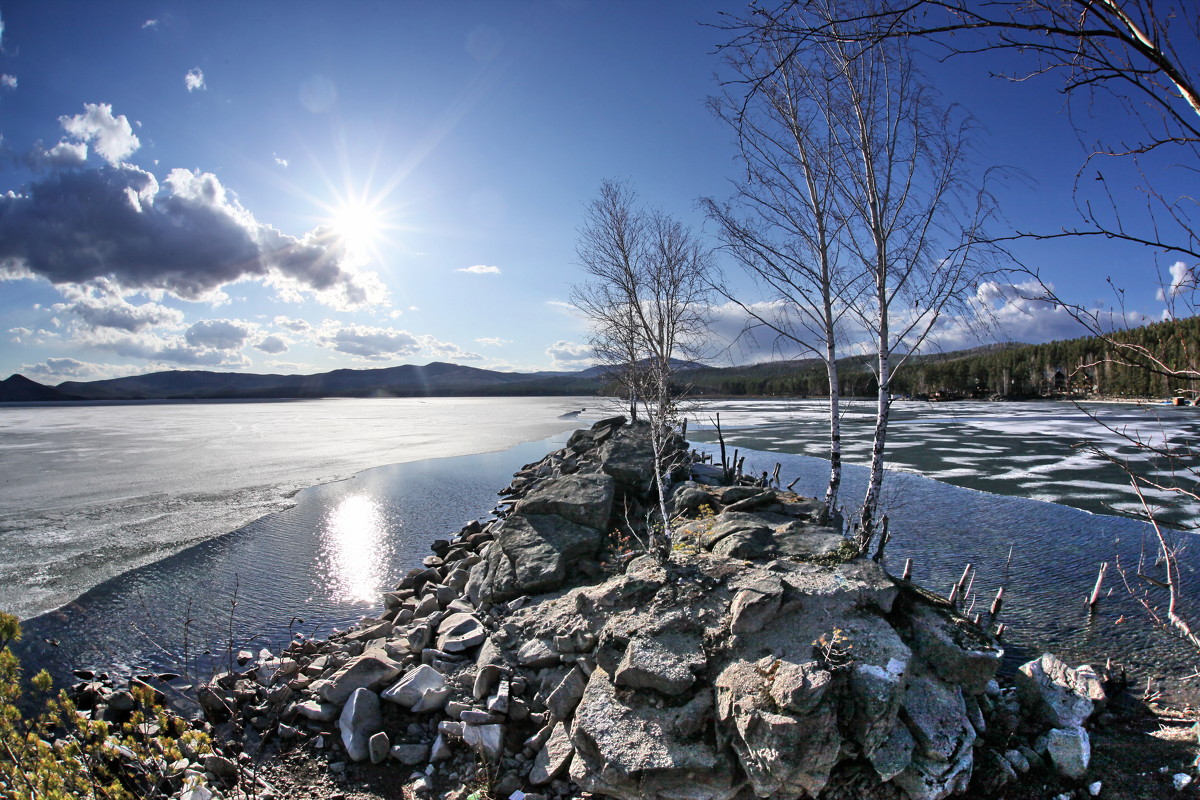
x,y
61,753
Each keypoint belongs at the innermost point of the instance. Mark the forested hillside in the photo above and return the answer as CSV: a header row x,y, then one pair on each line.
x,y
1084,367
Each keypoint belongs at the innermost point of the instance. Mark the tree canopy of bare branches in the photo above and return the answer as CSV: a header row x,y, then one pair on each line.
x,y
645,299
856,202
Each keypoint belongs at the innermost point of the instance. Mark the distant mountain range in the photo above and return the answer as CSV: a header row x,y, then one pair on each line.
x,y
435,379
803,378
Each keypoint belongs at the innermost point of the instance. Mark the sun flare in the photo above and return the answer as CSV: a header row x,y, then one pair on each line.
x,y
359,225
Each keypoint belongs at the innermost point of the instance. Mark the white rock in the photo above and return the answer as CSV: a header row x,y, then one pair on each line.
x,y
360,720
409,690
1180,779
1094,789
1071,751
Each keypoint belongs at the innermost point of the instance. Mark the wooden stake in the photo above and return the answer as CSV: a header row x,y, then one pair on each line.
x,y
1095,598
999,601
907,576
775,477
999,630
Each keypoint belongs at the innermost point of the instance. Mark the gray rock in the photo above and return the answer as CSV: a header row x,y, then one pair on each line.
x,y
220,766
583,499
486,679
937,717
431,700
537,654
566,696
360,720
553,758
459,632
378,745
410,755
1070,751
317,711
689,498
363,672
487,740
956,649
631,752
1017,761
409,690
784,752
440,750
535,553
1046,687
663,663
754,606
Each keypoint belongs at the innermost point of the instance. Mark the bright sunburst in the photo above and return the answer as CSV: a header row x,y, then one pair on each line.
x,y
359,225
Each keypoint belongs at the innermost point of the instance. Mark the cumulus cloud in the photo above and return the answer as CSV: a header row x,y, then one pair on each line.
x,y
370,343
283,162
561,304
18,333
294,325
60,369
111,137
150,23
493,341
1183,281
8,81
194,80
273,345
62,155
98,306
447,350
173,349
187,236
570,355
218,334
480,269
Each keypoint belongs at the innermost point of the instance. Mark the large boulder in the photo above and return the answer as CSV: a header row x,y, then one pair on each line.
x,y
1048,690
583,499
531,554
633,751
368,671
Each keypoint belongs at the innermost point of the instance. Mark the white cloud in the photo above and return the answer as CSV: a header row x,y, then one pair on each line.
x,y
294,325
8,81
493,341
480,269
172,349
99,305
283,162
18,333
1183,280
373,344
194,80
570,355
274,345
111,137
447,350
64,154
219,334
560,304
57,370
150,23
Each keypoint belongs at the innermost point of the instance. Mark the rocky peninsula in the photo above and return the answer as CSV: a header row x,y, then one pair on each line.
x,y
545,655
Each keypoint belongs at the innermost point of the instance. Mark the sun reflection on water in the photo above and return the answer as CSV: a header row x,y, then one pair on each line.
x,y
355,550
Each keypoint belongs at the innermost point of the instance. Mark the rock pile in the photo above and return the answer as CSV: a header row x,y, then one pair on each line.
x,y
760,660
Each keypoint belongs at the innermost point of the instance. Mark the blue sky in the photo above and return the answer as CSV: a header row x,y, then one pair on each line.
x,y
302,186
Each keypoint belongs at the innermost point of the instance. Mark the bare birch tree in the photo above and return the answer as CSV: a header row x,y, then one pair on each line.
x,y
784,221
645,299
897,199
1132,60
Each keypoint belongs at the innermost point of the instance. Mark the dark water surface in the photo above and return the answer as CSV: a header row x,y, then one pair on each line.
x,y
320,565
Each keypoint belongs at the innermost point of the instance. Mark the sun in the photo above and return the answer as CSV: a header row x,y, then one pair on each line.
x,y
358,225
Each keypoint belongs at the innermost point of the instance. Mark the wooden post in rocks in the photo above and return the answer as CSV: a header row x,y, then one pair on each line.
x,y
907,570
